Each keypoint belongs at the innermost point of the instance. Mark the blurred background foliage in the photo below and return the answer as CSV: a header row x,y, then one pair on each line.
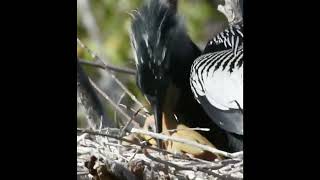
x,y
103,26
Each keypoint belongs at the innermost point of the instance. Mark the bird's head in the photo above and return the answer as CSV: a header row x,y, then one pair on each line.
x,y
154,32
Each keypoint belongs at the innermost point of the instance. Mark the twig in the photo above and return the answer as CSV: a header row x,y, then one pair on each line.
x,y
135,153
118,104
90,101
188,129
123,139
177,167
133,110
82,137
117,108
95,57
184,141
82,173
109,67
128,123
225,169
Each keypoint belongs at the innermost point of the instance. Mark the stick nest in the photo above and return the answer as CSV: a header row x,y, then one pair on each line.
x,y
102,157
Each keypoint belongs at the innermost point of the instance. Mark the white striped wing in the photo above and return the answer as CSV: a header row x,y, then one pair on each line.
x,y
213,79
223,89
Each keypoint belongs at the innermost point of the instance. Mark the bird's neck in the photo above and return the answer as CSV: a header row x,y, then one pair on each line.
x,y
169,107
183,55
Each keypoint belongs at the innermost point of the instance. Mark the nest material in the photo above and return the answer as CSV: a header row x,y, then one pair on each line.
x,y
104,158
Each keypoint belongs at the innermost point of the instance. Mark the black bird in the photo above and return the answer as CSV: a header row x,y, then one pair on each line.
x,y
164,54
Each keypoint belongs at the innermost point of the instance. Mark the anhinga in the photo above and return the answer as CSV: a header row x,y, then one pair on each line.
x,y
164,54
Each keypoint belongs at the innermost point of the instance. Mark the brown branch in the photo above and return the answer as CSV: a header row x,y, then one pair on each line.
x,y
109,67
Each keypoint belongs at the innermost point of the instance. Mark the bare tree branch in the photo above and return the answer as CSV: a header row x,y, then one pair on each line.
x,y
95,57
88,98
109,67
113,104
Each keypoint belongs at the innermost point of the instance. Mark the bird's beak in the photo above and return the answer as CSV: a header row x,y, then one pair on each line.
x,y
157,109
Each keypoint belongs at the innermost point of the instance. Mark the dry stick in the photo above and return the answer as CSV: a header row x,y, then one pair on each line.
x,y
203,169
82,137
184,141
109,67
82,173
118,104
94,56
187,129
128,123
135,153
117,108
122,139
177,167
133,110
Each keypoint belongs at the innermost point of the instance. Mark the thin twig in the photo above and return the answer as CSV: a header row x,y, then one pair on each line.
x,y
122,139
109,67
95,57
177,167
133,110
82,137
128,123
187,129
118,104
82,173
135,153
117,108
184,141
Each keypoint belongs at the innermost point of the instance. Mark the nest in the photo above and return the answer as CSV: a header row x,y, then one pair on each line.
x,y
104,155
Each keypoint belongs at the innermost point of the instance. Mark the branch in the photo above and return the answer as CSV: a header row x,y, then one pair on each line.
x,y
113,104
147,164
97,58
179,168
122,139
109,67
191,143
89,99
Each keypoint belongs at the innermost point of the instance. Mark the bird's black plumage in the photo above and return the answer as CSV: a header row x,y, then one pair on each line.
x,y
164,54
